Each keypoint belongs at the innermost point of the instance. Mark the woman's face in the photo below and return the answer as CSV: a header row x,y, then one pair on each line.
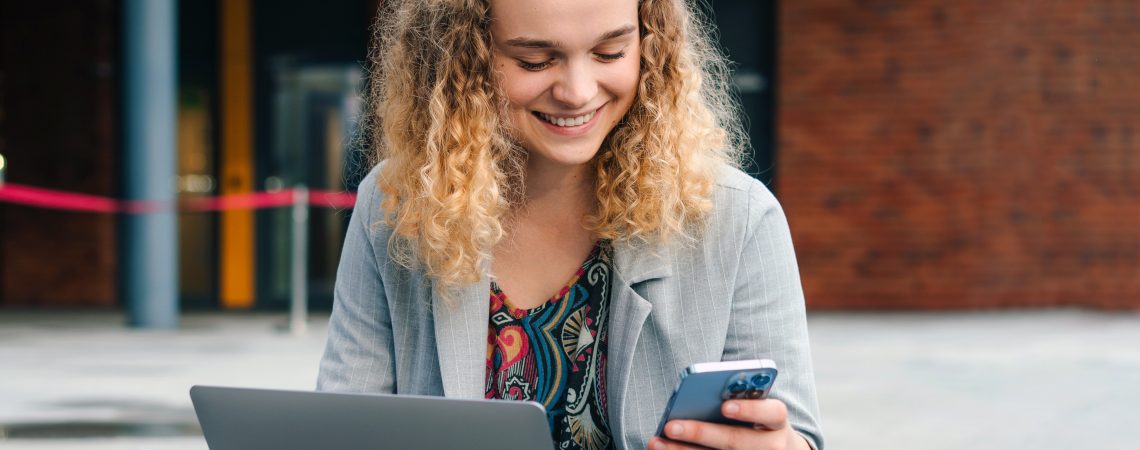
x,y
569,70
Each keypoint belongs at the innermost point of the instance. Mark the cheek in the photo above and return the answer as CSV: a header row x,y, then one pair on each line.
x,y
631,72
521,90
626,78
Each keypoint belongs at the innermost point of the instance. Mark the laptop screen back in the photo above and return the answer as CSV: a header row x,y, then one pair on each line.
x,y
251,419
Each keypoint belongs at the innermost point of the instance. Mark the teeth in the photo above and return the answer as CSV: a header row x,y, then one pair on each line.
x,y
564,122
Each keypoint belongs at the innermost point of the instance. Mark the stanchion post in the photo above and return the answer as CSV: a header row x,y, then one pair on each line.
x,y
299,303
3,167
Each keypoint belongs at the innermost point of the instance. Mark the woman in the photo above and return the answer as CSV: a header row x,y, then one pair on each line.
x,y
526,143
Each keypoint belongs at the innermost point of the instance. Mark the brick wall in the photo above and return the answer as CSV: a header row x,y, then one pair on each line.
x,y
58,93
962,154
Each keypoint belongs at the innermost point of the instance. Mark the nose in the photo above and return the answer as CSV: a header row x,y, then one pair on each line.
x,y
577,85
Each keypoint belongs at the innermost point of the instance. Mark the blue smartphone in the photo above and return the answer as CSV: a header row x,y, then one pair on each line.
x,y
705,386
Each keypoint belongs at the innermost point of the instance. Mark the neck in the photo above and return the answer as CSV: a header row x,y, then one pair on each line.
x,y
570,189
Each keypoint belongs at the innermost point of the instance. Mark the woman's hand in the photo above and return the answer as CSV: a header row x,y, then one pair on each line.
x,y
770,432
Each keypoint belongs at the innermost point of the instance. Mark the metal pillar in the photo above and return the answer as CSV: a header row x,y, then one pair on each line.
x,y
149,269
299,303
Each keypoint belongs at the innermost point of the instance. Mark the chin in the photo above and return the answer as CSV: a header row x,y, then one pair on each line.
x,y
567,155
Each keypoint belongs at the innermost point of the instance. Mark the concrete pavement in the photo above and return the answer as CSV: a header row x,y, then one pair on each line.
x,y
1027,379
1011,380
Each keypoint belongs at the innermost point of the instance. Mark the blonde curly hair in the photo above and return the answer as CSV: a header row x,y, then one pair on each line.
x,y
451,173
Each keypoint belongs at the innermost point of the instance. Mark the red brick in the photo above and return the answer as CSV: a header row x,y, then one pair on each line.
x,y
970,154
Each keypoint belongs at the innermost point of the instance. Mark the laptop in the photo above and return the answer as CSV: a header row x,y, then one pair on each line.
x,y
253,419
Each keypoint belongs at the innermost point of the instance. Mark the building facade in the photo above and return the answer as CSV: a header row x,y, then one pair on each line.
x,y
929,154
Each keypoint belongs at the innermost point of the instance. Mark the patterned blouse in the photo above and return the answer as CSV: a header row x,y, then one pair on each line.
x,y
555,354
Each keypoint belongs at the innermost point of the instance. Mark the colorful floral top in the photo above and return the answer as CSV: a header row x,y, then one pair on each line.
x,y
555,354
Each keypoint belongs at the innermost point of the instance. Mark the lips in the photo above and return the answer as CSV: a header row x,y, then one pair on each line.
x,y
570,126
566,121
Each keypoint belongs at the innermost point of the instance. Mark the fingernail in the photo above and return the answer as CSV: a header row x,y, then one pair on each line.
x,y
732,408
676,429
657,445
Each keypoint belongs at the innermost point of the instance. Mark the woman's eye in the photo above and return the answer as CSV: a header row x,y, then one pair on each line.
x,y
534,67
611,56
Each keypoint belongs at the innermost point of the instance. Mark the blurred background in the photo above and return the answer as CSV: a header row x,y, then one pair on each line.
x,y
962,182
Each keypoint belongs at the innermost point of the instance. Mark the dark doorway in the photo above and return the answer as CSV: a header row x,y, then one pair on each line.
x,y
748,35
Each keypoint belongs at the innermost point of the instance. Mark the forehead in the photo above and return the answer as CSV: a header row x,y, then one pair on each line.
x,y
570,21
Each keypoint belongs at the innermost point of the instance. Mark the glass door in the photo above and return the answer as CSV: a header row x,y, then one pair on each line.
x,y
314,122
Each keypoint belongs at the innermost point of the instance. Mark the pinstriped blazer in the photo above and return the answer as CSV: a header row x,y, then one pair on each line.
x,y
733,294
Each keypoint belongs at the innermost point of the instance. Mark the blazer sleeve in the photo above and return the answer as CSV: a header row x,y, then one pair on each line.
x,y
359,354
768,315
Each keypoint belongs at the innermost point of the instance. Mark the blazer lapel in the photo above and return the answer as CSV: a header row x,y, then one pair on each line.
x,y
634,263
461,339
461,327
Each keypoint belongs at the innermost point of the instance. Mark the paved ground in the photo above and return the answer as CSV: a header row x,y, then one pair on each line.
x,y
1041,380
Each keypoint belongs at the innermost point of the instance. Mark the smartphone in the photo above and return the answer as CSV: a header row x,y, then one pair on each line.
x,y
705,386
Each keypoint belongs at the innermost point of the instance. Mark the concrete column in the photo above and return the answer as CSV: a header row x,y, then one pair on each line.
x,y
149,242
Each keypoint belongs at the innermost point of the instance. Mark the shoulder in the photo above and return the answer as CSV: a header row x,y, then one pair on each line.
x,y
741,202
369,197
368,211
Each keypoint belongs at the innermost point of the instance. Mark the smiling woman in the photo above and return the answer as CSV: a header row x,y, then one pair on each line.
x,y
556,198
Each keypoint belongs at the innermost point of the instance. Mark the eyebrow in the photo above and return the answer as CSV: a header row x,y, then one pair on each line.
x,y
542,43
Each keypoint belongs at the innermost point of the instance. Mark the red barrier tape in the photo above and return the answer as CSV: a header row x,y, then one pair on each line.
x,y
52,199
46,198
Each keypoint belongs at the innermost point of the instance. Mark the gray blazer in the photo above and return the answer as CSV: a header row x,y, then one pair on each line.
x,y
733,294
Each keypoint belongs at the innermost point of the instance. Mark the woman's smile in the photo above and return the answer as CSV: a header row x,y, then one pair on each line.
x,y
570,125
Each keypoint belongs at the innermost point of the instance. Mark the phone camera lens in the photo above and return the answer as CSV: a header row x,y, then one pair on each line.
x,y
761,380
754,394
737,387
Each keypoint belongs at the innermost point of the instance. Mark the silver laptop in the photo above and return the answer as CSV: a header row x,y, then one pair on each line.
x,y
252,419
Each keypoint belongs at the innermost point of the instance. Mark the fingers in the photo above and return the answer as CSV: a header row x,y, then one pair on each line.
x,y
714,435
768,414
771,430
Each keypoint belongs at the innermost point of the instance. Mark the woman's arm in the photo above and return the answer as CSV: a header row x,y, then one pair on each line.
x,y
767,321
358,354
